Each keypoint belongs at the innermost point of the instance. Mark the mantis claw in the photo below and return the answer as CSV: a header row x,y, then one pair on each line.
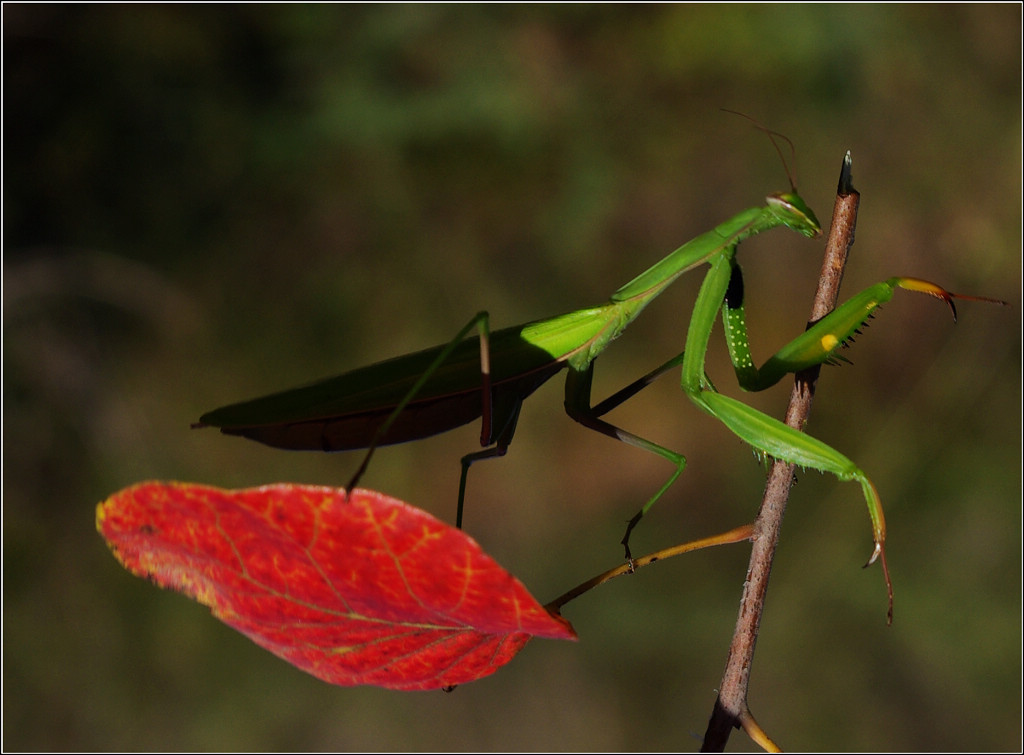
x,y
625,540
879,551
933,289
874,555
630,563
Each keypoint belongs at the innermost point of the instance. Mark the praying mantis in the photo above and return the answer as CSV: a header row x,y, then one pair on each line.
x,y
428,392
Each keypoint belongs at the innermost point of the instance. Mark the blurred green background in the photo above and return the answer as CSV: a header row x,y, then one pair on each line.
x,y
203,204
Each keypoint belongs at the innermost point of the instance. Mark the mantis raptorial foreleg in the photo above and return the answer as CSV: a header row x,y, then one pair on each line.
x,y
822,340
817,345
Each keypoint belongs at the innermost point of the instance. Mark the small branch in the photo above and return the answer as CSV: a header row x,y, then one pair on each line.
x,y
731,710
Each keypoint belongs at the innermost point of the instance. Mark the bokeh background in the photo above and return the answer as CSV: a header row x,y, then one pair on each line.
x,y
203,204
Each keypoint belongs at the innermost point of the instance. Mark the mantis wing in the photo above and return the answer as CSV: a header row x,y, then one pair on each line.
x,y
344,412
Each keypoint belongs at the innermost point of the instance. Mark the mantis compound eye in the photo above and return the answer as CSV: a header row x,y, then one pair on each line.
x,y
794,213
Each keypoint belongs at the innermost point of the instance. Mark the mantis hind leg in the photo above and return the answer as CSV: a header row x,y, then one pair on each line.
x,y
479,321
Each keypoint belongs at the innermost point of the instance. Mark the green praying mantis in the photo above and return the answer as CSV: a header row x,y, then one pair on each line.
x,y
438,389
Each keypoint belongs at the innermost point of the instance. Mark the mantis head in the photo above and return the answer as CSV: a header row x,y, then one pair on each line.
x,y
791,211
787,208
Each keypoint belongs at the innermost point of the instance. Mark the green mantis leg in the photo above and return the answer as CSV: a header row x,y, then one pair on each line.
x,y
767,435
776,439
578,389
820,343
624,394
577,405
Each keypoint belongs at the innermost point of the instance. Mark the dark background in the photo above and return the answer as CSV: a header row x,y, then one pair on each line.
x,y
203,204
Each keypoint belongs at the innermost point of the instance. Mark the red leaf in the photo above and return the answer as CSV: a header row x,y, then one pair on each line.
x,y
363,590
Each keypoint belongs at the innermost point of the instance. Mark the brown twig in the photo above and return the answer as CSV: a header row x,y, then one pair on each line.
x,y
731,710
